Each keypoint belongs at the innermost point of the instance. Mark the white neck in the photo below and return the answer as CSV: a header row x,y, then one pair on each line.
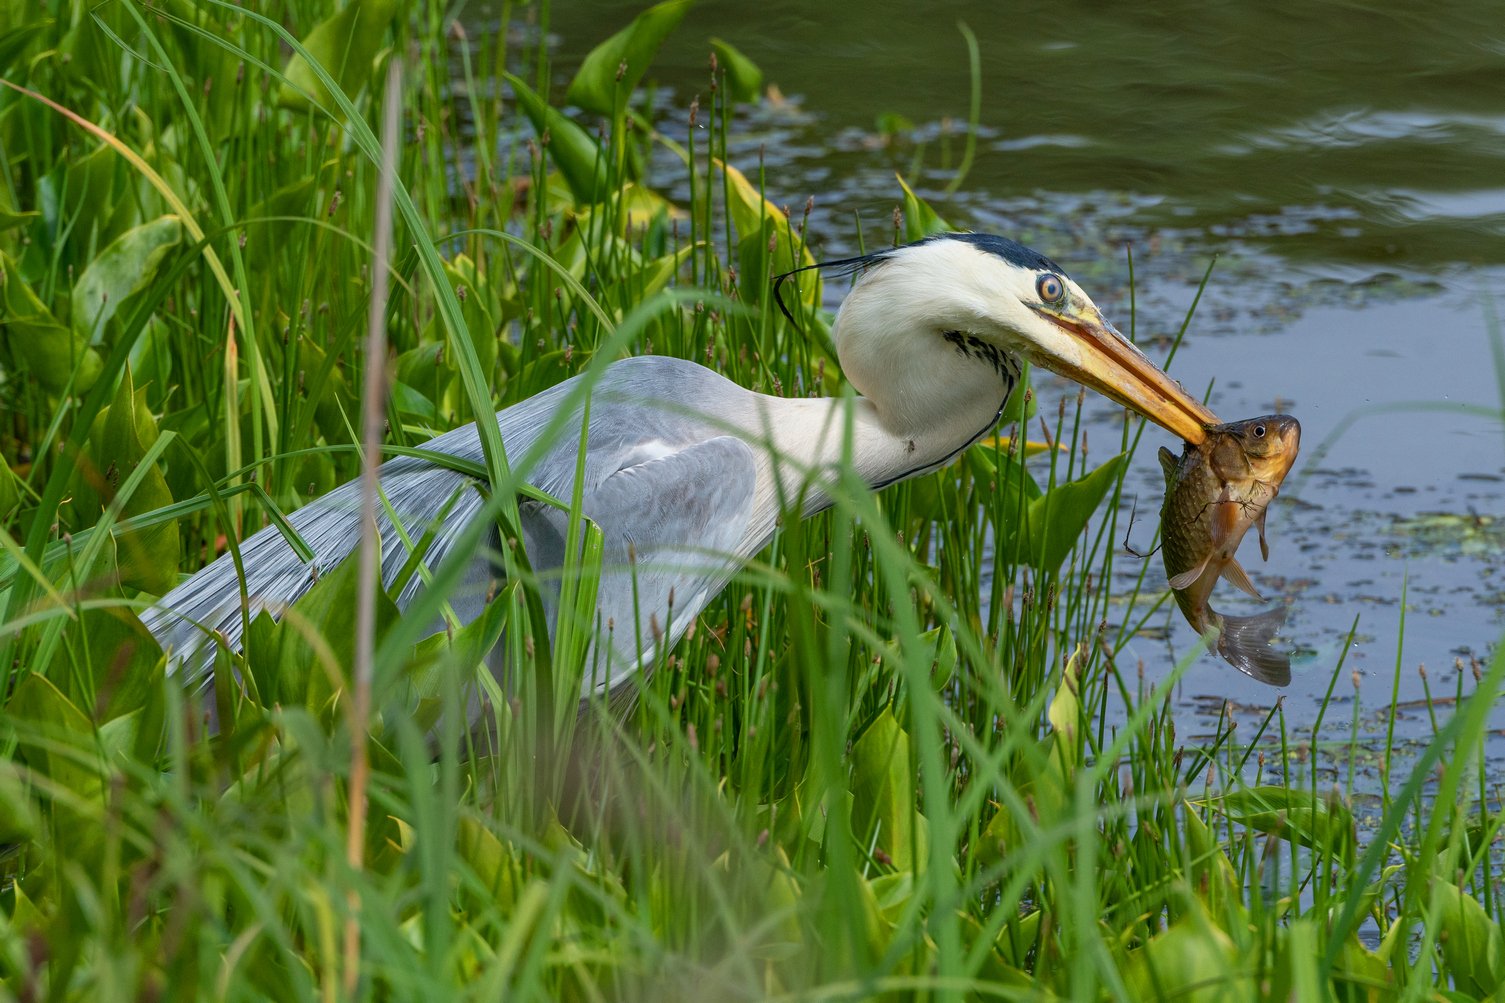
x,y
920,423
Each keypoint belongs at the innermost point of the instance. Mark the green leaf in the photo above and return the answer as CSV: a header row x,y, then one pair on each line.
x,y
119,271
66,752
122,433
920,220
603,84
18,814
580,160
1472,943
10,217
108,662
479,305
883,794
1209,870
1053,521
346,45
10,492
30,333
304,657
19,24
1193,961
767,245
1299,816
743,76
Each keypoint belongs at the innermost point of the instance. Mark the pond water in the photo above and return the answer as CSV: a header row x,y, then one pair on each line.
x,y
1346,166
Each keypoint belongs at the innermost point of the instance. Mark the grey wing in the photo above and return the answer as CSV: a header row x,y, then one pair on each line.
x,y
186,620
675,529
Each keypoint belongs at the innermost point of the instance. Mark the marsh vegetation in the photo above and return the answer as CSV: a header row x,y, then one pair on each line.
x,y
901,756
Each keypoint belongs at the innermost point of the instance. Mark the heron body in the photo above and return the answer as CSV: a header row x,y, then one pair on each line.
x,y
686,472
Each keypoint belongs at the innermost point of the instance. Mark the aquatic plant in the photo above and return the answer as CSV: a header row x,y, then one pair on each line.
x,y
900,756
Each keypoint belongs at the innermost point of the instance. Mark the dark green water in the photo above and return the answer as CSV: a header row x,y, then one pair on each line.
x,y
1344,161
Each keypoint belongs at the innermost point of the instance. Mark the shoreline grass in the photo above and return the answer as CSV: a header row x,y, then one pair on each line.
x,y
897,758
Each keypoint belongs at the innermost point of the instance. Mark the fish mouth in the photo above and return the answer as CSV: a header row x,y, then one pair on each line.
x,y
1110,364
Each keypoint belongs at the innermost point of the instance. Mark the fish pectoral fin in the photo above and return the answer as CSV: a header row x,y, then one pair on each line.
x,y
1264,546
1225,520
1239,578
1185,579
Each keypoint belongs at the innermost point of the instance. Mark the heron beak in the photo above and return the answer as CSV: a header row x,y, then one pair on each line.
x,y
1110,364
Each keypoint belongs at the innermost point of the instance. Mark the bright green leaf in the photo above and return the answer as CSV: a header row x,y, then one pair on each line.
x,y
920,220
743,76
767,245
580,160
612,70
1053,521
10,492
1322,823
883,793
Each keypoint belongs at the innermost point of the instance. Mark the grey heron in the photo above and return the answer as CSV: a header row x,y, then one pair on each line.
x,y
685,471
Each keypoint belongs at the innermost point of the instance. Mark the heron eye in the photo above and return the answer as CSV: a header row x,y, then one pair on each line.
x,y
1051,288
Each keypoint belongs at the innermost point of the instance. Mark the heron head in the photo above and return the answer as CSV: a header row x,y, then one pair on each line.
x,y
1015,299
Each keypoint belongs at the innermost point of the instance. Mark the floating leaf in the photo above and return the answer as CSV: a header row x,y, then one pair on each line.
x,y
120,270
346,45
743,76
612,70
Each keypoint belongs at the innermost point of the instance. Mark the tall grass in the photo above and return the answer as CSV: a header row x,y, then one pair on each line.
x,y
901,756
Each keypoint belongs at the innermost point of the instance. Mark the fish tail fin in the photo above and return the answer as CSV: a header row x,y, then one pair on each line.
x,y
1245,642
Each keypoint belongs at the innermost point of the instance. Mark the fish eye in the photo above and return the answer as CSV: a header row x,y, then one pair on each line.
x,y
1051,288
1259,431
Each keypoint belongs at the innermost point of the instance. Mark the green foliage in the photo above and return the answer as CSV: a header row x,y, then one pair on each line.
x,y
346,45
121,270
742,74
611,71
118,442
900,757
35,342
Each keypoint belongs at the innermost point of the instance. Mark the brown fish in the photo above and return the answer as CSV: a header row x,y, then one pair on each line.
x,y
1213,494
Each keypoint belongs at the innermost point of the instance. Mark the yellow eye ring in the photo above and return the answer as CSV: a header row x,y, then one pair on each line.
x,y
1050,288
